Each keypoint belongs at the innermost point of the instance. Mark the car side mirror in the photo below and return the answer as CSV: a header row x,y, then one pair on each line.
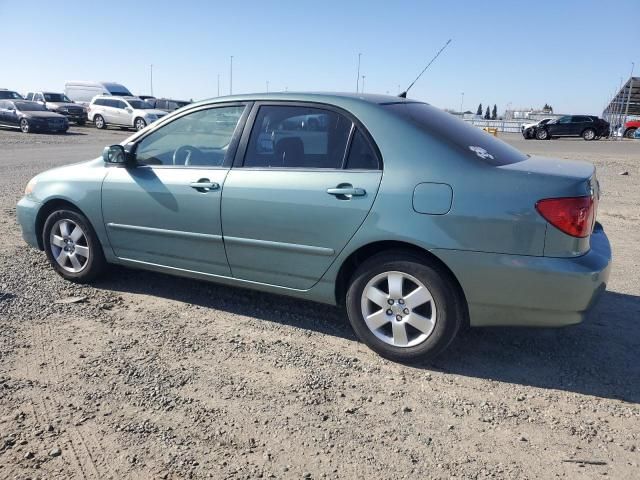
x,y
116,154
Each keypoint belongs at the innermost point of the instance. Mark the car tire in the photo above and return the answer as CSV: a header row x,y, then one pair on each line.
x,y
24,126
391,331
139,123
629,132
542,134
589,134
74,254
99,122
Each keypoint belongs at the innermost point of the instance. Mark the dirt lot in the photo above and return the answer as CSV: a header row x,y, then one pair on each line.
x,y
150,376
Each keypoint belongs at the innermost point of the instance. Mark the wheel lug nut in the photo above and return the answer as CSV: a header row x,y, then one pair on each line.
x,y
401,301
398,317
406,311
389,312
390,301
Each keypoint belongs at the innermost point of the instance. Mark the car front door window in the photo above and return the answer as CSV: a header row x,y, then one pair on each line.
x,y
197,139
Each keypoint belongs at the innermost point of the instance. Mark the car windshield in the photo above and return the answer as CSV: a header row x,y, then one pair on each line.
x,y
30,107
120,93
8,94
467,138
545,121
140,104
56,97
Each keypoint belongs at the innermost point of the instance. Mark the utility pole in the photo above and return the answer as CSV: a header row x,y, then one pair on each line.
x,y
363,83
267,86
218,84
358,75
151,79
461,103
231,76
626,109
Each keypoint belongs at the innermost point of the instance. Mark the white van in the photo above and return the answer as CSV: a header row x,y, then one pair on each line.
x,y
83,92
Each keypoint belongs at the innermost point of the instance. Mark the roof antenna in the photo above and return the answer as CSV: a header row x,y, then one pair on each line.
x,y
404,94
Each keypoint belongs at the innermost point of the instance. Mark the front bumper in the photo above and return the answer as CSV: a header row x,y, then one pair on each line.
x,y
518,290
27,212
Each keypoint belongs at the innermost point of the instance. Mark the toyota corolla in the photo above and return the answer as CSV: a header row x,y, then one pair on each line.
x,y
413,221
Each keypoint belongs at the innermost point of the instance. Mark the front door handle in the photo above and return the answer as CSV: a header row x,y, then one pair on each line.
x,y
204,185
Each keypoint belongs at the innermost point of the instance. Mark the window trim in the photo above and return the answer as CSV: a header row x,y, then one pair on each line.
x,y
132,146
240,153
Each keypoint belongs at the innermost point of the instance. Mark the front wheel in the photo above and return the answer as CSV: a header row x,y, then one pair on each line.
x,y
629,132
404,308
24,126
589,134
542,134
99,122
139,124
72,246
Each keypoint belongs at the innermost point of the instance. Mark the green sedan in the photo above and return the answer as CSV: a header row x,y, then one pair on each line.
x,y
414,222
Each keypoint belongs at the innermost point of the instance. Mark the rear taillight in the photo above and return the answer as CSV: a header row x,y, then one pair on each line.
x,y
574,216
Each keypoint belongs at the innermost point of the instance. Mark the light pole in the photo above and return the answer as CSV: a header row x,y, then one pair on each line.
x,y
462,103
218,84
363,83
151,78
358,75
231,76
267,86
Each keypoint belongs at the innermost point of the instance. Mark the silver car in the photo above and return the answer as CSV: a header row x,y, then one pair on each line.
x,y
132,112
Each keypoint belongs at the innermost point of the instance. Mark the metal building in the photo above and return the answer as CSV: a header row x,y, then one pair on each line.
x,y
625,104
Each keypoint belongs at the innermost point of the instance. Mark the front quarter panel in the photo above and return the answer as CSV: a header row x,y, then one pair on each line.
x,y
79,184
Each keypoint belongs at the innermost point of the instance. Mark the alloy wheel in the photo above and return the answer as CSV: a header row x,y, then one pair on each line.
x,y
99,121
24,125
69,245
140,124
398,309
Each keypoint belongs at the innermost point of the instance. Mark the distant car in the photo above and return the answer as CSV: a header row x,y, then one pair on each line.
x,y
122,112
30,117
416,222
586,126
146,97
9,95
60,103
631,127
167,104
529,129
83,92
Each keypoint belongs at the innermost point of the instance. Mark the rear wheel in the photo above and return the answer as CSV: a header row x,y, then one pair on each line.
x,y
589,134
72,247
542,134
404,308
24,126
629,132
99,122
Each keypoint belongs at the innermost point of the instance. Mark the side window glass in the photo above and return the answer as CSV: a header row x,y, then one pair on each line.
x,y
297,137
200,138
361,155
566,119
29,96
120,104
38,98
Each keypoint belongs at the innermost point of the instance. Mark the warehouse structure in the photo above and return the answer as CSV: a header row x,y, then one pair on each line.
x,y
625,104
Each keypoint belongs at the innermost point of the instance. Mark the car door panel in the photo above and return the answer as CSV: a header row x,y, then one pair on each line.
x,y
155,215
284,228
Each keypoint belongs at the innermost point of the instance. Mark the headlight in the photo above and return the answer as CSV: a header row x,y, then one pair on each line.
x,y
30,186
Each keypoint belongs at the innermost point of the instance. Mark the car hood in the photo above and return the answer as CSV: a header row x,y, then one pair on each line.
x,y
31,114
529,125
62,104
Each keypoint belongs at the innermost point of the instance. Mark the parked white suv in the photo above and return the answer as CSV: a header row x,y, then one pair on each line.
x,y
129,112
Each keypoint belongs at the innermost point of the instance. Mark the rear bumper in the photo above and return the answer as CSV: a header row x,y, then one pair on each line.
x,y
520,290
27,211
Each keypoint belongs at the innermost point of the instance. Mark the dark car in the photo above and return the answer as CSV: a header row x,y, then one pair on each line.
x,y
588,127
167,104
10,95
60,103
30,117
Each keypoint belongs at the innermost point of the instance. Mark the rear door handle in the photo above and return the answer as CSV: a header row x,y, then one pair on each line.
x,y
347,192
204,185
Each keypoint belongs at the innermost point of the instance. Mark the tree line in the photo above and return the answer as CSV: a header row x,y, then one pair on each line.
x,y
488,114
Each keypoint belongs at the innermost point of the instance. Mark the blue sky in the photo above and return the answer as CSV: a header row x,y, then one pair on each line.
x,y
570,54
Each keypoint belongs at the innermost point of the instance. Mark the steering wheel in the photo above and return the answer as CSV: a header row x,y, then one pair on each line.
x,y
186,155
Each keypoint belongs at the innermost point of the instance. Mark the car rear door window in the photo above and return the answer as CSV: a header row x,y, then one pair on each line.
x,y
297,137
361,154
199,138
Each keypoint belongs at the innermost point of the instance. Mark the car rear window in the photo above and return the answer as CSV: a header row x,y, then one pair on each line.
x,y
467,138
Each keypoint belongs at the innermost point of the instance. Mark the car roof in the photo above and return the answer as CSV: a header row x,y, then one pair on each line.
x,y
324,97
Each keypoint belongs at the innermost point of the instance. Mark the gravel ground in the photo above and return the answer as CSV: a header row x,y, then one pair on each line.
x,y
148,376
